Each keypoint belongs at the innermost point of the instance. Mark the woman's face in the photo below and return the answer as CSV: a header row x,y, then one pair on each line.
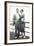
x,y
21,12
22,19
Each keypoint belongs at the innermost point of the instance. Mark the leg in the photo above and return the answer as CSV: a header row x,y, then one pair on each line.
x,y
18,34
15,32
24,34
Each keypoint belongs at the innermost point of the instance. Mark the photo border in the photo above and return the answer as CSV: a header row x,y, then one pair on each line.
x,y
6,21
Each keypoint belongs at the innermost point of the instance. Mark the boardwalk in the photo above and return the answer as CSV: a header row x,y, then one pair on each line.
x,y
12,36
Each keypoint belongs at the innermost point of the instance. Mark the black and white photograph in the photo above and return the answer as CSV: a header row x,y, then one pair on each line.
x,y
18,25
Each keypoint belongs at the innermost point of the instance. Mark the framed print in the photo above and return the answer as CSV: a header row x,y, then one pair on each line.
x,y
18,22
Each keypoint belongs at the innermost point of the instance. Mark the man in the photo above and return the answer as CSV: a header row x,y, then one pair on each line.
x,y
19,23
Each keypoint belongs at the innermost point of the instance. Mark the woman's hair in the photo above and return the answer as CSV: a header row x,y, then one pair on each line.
x,y
21,10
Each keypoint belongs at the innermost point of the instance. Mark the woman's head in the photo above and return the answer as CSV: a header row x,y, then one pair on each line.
x,y
21,11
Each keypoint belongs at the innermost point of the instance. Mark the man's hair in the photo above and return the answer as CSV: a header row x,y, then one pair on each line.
x,y
17,10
